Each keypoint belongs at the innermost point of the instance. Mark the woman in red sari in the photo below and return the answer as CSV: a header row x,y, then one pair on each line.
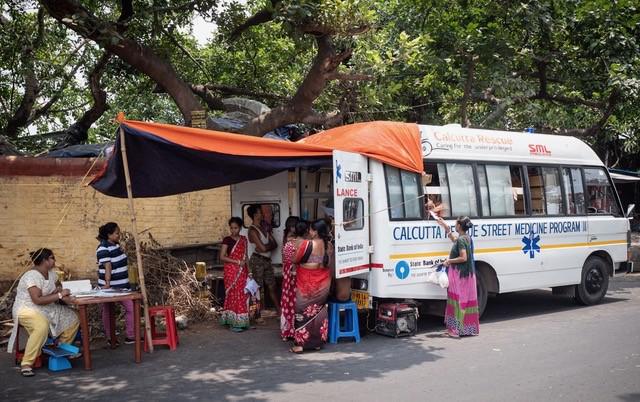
x,y
288,298
234,255
313,280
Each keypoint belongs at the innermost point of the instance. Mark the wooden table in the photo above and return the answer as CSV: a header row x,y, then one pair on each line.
x,y
82,304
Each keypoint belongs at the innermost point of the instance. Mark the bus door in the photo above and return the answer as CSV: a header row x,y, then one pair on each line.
x,y
607,224
351,213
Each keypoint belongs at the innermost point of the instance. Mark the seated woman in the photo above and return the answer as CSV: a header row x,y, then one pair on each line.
x,y
313,280
37,309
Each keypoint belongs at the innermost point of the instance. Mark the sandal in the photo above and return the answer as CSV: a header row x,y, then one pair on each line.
x,y
27,372
75,356
294,349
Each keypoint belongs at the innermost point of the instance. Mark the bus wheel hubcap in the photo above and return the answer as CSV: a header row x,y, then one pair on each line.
x,y
594,280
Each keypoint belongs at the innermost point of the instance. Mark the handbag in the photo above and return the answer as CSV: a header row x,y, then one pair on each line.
x,y
252,288
443,278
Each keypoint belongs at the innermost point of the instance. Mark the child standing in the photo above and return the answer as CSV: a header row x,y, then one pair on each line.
x,y
113,273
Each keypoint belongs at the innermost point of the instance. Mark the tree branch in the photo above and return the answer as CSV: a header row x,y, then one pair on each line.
x,y
76,17
468,86
300,107
31,85
187,53
262,16
66,79
320,119
77,133
501,109
214,102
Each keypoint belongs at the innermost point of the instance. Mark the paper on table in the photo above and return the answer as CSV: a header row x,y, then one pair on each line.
x,y
77,287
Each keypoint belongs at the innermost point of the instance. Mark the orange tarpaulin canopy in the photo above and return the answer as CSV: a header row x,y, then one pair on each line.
x,y
166,159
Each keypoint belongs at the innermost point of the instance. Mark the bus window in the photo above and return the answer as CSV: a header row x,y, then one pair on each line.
x,y
411,195
462,189
436,189
484,190
552,191
574,189
601,199
403,189
504,190
353,213
578,190
536,189
394,190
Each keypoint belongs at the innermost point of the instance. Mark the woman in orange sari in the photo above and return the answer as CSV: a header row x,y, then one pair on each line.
x,y
313,280
234,255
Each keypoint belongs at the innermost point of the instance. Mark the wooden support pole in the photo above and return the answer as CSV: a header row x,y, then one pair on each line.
x,y
143,288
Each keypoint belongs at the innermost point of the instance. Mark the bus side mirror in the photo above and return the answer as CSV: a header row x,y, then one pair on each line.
x,y
630,209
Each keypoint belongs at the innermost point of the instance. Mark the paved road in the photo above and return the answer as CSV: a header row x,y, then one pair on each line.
x,y
532,347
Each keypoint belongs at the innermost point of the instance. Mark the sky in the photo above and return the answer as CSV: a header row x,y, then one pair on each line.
x,y
202,30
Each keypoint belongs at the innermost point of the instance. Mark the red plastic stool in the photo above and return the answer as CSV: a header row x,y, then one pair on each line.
x,y
170,336
19,353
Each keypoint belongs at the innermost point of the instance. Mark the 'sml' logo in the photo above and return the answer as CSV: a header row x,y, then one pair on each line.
x,y
353,177
538,149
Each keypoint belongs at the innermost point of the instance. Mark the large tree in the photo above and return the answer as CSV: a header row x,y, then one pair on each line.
x,y
302,17
560,67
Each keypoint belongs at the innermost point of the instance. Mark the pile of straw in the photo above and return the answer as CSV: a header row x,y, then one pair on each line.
x,y
169,280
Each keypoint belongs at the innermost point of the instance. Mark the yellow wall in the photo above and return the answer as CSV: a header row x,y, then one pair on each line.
x,y
31,208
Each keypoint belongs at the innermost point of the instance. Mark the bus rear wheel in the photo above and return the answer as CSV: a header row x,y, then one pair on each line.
x,y
594,282
483,293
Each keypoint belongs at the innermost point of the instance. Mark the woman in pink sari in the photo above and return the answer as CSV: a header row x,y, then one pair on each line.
x,y
313,280
288,298
234,255
461,314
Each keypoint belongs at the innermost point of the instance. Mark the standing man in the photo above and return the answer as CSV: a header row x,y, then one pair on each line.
x,y
262,243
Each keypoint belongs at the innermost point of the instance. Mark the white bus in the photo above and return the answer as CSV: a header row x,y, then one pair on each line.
x,y
544,210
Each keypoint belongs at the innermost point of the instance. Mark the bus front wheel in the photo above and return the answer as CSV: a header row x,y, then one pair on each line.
x,y
594,282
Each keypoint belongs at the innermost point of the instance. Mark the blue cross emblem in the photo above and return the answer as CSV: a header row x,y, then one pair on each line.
x,y
531,245
338,172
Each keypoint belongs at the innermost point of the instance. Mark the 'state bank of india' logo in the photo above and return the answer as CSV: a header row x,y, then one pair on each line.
x,y
539,149
402,269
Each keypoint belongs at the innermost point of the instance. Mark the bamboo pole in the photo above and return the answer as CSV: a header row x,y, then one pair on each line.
x,y
143,288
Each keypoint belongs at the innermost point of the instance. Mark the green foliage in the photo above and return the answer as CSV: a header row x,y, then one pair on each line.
x,y
418,53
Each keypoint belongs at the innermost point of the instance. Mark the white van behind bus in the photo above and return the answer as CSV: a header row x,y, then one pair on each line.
x,y
544,209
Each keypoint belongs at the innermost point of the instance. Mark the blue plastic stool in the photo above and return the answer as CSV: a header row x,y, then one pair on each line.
x,y
58,356
59,363
350,327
